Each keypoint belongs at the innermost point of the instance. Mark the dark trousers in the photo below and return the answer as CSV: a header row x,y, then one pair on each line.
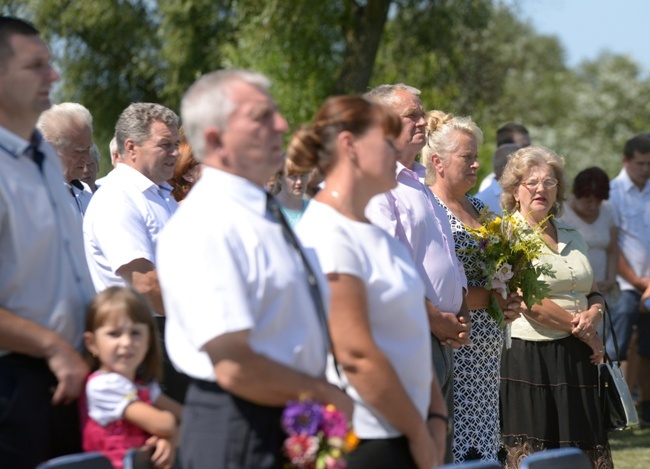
x,y
387,453
443,363
220,430
32,430
174,382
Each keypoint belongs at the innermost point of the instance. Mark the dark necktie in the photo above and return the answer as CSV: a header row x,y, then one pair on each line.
x,y
37,155
273,207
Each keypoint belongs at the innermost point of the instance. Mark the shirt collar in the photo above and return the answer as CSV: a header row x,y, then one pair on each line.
x,y
237,188
628,184
412,173
15,146
139,180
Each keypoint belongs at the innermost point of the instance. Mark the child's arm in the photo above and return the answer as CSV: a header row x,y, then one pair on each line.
x,y
164,402
161,423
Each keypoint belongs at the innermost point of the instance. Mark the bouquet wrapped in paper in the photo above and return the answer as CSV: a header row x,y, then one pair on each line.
x,y
319,436
506,249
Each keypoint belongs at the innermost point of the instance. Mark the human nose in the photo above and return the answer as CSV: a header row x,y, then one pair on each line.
x,y
53,75
125,339
280,123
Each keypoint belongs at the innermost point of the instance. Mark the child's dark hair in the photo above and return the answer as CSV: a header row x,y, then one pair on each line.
x,y
135,306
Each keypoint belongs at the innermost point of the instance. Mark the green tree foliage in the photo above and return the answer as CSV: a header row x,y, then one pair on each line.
x,y
469,57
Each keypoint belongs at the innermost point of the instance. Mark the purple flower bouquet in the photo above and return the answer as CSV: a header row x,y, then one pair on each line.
x,y
318,435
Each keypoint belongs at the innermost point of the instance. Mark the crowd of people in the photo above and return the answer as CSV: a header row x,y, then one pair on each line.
x,y
211,277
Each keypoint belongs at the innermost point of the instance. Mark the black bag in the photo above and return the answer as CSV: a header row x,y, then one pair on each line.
x,y
616,400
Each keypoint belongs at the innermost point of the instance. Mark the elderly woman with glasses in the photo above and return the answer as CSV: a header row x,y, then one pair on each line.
x,y
549,377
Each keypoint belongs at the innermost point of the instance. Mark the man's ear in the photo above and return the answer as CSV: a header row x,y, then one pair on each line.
x,y
129,150
213,138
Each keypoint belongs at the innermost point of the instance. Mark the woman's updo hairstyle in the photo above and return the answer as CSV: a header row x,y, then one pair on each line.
x,y
314,145
440,126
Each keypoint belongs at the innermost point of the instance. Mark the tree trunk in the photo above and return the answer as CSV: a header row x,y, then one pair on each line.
x,y
363,27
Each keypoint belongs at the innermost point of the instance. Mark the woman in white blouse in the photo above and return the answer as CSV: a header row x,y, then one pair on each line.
x,y
589,212
378,322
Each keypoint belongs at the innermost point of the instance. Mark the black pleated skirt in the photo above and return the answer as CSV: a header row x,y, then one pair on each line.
x,y
549,399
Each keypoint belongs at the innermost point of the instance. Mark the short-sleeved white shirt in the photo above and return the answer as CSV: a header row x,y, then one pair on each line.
x,y
108,395
632,214
123,222
395,295
43,272
597,235
224,266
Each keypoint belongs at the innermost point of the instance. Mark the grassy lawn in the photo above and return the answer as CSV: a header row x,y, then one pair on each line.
x,y
631,448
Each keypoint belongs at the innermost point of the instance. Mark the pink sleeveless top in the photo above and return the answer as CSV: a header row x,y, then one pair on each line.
x,y
116,437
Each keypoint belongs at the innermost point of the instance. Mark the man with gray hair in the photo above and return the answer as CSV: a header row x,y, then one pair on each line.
x,y
125,217
68,127
115,158
89,176
491,195
411,214
244,322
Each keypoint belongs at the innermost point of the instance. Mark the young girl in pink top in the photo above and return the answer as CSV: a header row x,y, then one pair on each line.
x,y
123,406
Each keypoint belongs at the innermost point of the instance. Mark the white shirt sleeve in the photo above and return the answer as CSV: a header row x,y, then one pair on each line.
x,y
122,234
108,395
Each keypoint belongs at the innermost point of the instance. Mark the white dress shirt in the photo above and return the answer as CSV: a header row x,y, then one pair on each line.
x,y
398,320
81,194
224,266
632,214
43,273
123,222
491,196
410,213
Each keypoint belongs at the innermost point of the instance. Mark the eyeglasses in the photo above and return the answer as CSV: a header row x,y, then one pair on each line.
x,y
533,183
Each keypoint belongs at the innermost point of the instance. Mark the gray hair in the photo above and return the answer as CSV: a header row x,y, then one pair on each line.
x,y
94,153
520,164
440,127
112,148
208,103
56,122
135,122
387,94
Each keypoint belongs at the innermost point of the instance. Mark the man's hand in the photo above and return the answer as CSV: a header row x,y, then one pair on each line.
x,y
70,370
449,328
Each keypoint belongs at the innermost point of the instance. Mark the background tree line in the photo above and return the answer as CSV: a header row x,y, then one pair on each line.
x,y
469,57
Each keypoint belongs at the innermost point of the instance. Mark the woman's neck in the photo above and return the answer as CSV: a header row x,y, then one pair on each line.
x,y
582,215
448,195
346,198
290,201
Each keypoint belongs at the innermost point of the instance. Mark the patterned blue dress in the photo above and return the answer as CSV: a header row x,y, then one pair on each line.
x,y
476,366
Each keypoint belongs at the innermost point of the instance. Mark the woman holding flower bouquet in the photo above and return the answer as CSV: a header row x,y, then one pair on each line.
x,y
451,158
378,322
549,384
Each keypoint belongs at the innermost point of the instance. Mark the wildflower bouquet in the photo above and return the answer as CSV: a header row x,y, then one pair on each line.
x,y
318,435
507,247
